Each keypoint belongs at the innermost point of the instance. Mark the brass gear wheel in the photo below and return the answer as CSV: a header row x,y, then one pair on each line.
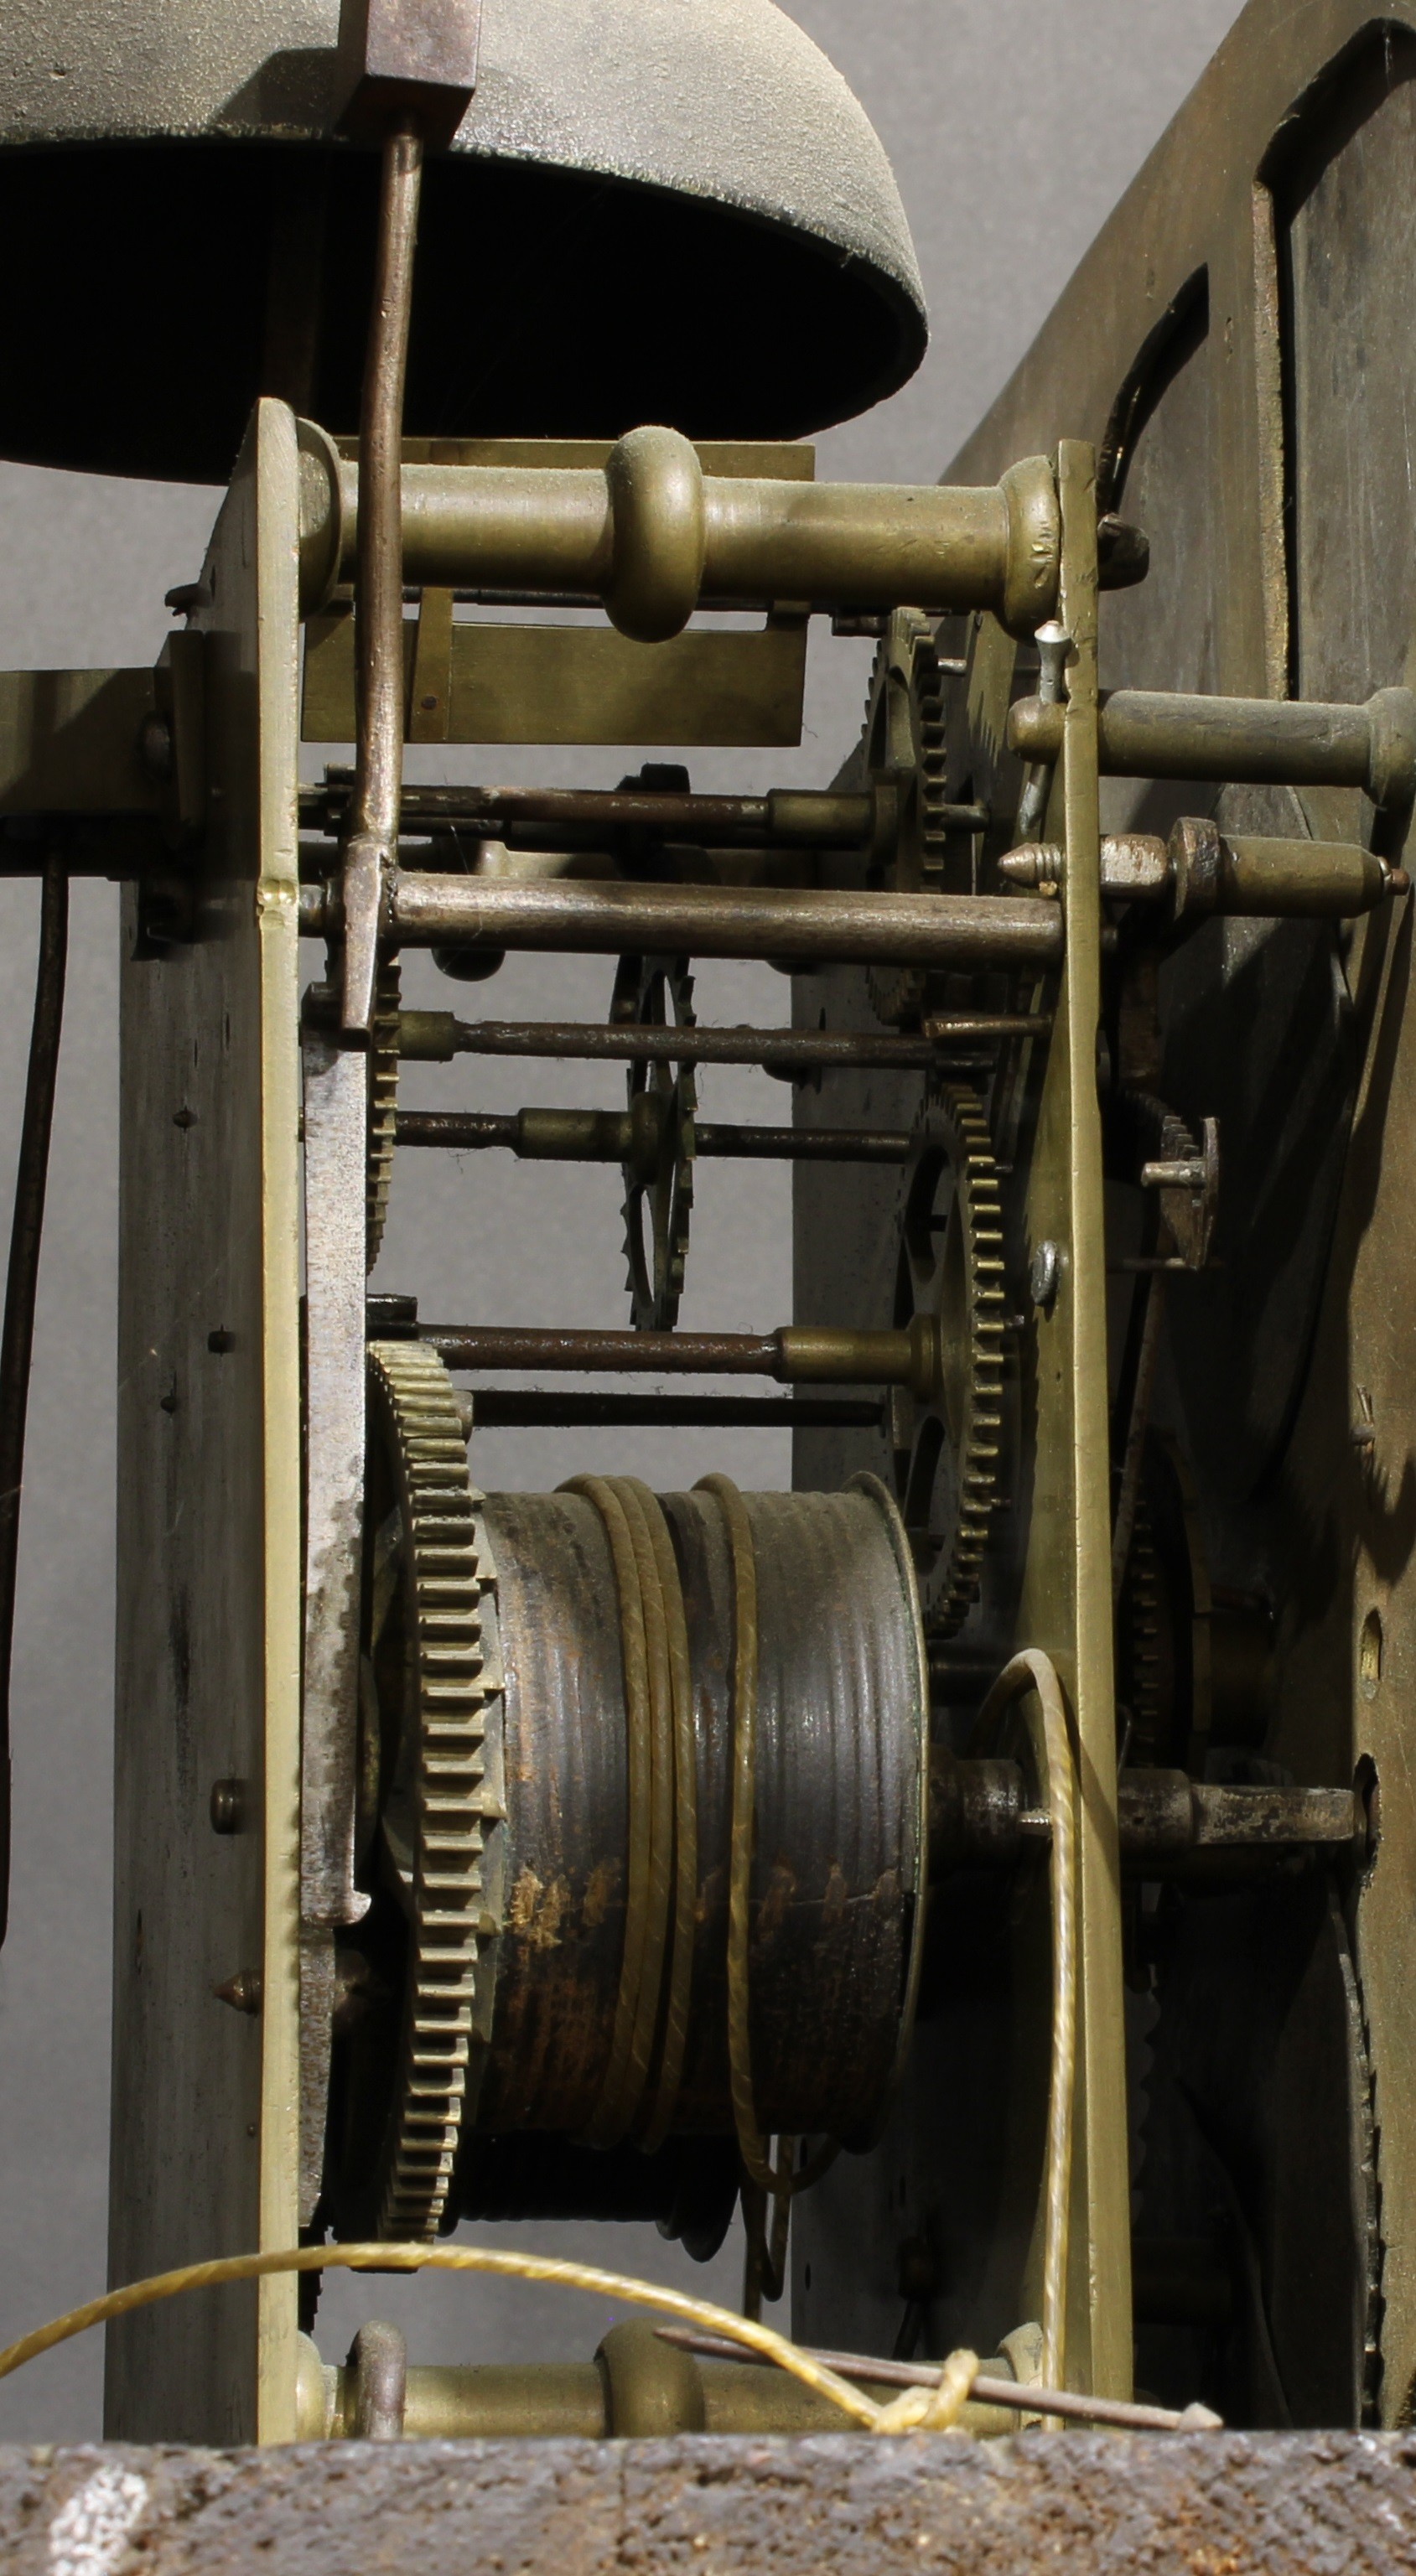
x,y
1140,1641
658,1176
427,1689
948,1451
1166,1614
905,731
383,1105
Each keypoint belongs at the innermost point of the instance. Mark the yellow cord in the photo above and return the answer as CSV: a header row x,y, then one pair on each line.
x,y
1034,1673
463,2258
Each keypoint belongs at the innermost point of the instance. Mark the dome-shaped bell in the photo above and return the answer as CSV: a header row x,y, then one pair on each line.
x,y
668,210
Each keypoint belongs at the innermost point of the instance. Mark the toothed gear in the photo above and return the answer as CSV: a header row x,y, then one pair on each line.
x,y
658,1178
1162,1614
1140,1641
425,1641
948,1451
906,727
383,1105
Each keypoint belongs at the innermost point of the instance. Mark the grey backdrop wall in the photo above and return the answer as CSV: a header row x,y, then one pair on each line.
x,y
1013,126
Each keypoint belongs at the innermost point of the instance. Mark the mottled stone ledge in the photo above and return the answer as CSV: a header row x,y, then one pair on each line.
x,y
1204,2505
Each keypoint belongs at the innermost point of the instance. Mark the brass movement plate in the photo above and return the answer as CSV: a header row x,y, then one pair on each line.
x,y
499,682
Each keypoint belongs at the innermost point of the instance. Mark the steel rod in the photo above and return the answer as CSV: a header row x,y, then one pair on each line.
x,y
17,1338
800,818
503,1408
608,1139
1133,1458
816,927
371,846
802,1144
793,1050
463,1131
793,1353
479,1346
870,2372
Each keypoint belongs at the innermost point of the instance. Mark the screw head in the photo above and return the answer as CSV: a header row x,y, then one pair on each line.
x,y
155,748
242,1992
1044,1273
228,1806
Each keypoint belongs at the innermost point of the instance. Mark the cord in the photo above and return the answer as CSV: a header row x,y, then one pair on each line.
x,y
1032,1671
506,2266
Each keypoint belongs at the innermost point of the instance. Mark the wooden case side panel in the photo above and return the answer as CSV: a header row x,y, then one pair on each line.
x,y
208,1516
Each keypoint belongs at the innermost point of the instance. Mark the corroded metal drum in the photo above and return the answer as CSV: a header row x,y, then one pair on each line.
x,y
700,1762
838,1854
650,212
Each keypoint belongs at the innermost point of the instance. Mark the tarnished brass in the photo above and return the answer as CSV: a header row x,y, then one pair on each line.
x,y
574,1748
1258,262
209,1192
498,683
1144,734
370,845
979,1815
832,545
642,2385
1066,1594
580,1846
614,920
576,684
1242,873
798,1354
72,742
1203,870
808,818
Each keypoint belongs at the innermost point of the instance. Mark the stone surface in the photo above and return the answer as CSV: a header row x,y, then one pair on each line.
x,y
1208,2505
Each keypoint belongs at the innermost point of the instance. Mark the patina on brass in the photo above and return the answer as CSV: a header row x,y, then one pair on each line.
x,y
599,533
491,1927
750,921
642,2385
1202,870
1145,734
798,1354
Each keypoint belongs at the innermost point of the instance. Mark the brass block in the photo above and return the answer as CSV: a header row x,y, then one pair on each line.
x,y
575,684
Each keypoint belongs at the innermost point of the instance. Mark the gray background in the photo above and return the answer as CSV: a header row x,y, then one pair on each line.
x,y
1013,126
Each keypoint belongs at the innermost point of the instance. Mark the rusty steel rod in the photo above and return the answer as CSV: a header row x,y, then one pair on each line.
x,y
479,1346
870,2372
806,818
790,1050
815,927
802,1144
608,1138
500,1408
371,845
792,1354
